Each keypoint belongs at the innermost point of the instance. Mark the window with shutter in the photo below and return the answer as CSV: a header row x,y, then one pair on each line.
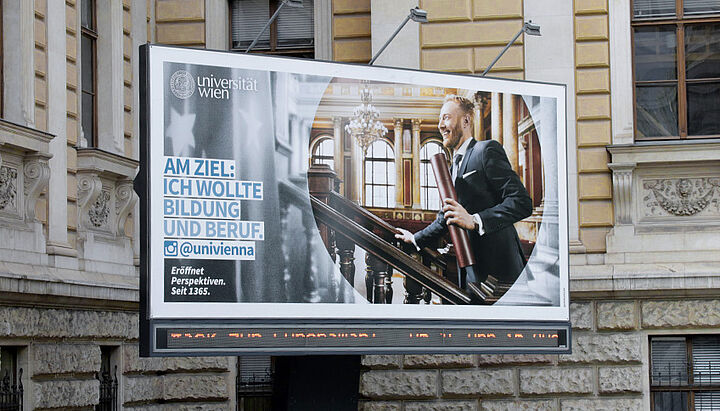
x,y
254,384
685,373
291,34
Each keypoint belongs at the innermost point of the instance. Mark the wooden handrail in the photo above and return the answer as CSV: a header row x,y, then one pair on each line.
x,y
386,252
378,226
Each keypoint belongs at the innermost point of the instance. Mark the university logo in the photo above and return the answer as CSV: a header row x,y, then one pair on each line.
x,y
182,84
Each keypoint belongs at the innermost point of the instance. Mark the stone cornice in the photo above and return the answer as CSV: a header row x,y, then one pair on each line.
x,y
666,151
31,285
25,138
104,162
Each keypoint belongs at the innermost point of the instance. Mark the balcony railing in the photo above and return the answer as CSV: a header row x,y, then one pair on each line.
x,y
11,392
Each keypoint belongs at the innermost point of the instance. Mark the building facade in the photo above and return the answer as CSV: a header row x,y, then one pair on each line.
x,y
643,180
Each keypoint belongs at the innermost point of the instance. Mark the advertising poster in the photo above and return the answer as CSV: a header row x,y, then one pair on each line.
x,y
271,189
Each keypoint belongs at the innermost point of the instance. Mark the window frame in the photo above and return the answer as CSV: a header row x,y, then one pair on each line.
x,y
690,387
425,163
92,34
288,51
679,21
322,159
390,176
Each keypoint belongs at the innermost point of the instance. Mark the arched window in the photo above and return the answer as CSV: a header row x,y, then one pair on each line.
x,y
429,196
322,152
380,175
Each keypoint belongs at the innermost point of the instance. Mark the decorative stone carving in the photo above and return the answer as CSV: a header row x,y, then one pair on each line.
x,y
124,202
8,188
622,191
680,196
37,175
100,210
89,189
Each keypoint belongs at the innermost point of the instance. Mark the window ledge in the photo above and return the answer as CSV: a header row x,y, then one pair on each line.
x,y
666,198
24,138
106,163
105,200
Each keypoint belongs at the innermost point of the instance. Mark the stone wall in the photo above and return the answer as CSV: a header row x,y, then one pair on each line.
x,y
351,31
608,367
465,36
63,356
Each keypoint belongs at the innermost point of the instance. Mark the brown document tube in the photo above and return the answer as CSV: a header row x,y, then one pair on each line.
x,y
458,236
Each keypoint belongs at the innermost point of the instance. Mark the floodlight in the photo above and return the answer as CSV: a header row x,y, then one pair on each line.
x,y
527,28
531,29
417,14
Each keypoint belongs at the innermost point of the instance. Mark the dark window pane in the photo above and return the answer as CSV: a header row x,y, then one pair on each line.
x,y
87,14
653,8
703,113
655,53
87,63
702,50
656,111
692,7
670,401
88,119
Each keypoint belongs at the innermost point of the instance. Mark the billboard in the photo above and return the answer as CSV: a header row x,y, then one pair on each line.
x,y
272,190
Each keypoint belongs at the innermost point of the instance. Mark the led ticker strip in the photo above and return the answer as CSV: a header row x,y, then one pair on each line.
x,y
171,338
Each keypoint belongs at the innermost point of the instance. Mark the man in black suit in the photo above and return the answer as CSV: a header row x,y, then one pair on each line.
x,y
491,198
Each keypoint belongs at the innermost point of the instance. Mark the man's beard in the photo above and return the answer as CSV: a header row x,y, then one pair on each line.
x,y
454,139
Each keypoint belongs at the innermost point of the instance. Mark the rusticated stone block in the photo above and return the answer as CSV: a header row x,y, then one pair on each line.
x,y
544,405
199,407
379,406
66,393
683,313
619,348
134,364
34,322
439,360
620,379
602,404
194,386
149,407
143,388
222,406
478,382
555,380
616,315
382,361
65,358
441,406
387,384
501,359
581,316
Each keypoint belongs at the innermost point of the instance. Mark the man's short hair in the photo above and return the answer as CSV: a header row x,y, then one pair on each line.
x,y
466,105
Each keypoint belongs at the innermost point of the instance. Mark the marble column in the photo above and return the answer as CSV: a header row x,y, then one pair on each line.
x,y
496,126
510,129
416,162
338,151
398,130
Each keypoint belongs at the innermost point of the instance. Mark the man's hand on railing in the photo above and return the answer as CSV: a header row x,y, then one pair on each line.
x,y
406,236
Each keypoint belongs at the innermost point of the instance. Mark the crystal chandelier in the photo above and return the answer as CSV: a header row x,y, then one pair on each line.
x,y
364,125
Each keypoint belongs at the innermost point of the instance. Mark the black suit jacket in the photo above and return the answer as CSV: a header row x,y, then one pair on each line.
x,y
487,185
